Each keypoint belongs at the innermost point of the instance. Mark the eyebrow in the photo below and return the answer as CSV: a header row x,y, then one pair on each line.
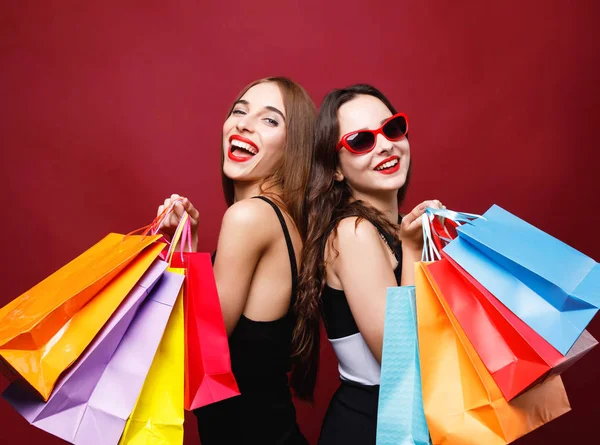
x,y
268,107
367,128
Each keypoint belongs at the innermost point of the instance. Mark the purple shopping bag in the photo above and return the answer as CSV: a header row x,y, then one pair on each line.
x,y
91,403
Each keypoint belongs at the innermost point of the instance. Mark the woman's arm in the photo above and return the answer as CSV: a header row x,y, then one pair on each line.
x,y
365,272
409,257
242,241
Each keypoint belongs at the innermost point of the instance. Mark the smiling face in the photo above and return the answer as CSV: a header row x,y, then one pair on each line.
x,y
383,169
254,134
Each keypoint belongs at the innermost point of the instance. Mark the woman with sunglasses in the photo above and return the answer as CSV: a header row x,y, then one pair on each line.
x,y
266,152
357,246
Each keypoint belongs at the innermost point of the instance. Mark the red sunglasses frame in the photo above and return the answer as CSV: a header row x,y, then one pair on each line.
x,y
344,140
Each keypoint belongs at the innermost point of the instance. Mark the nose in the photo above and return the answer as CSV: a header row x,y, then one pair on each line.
x,y
382,144
245,123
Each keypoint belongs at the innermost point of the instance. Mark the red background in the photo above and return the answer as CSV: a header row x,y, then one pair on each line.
x,y
109,107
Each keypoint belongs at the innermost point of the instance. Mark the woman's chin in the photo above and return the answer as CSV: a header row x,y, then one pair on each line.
x,y
240,173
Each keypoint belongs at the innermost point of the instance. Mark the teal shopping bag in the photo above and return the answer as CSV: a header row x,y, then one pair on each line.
x,y
400,418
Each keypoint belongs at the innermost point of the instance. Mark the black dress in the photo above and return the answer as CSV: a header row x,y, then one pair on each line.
x,y
260,359
352,414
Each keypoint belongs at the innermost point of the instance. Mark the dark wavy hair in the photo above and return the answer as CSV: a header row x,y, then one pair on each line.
x,y
328,202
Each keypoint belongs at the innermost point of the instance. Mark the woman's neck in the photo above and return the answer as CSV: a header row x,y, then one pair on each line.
x,y
248,189
386,203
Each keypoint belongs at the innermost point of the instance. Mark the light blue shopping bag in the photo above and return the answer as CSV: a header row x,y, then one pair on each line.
x,y
400,418
549,285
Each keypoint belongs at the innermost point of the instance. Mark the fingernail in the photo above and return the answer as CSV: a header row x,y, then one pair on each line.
x,y
422,207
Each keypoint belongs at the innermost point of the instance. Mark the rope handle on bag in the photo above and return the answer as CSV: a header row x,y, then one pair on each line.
x,y
183,230
183,233
430,250
156,224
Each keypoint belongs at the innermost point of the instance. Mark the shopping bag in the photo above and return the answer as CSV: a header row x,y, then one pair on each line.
x,y
462,403
551,286
513,352
41,367
549,322
513,362
400,418
208,374
93,400
32,319
158,415
440,228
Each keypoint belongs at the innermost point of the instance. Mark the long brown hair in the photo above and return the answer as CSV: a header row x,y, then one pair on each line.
x,y
327,203
291,176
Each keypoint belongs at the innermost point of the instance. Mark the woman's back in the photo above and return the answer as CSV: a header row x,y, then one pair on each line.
x,y
260,344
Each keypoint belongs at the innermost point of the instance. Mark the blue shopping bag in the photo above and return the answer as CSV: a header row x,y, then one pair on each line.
x,y
549,285
400,418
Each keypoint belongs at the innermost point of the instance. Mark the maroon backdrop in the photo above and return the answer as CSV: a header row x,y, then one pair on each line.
x,y
109,107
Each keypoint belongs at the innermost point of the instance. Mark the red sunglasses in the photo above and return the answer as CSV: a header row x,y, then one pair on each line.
x,y
363,141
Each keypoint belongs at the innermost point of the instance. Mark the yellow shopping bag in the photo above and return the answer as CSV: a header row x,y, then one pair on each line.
x,y
157,417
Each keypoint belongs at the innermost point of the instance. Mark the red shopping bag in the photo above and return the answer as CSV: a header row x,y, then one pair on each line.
x,y
208,374
515,355
443,230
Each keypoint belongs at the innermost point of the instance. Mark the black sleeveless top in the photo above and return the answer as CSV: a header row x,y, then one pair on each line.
x,y
260,360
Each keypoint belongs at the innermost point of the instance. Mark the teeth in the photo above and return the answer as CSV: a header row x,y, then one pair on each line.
x,y
387,164
244,146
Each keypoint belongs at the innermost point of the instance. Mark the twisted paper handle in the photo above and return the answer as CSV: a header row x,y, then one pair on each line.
x,y
431,248
183,230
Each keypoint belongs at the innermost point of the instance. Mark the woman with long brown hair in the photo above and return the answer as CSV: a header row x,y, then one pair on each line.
x,y
357,246
266,154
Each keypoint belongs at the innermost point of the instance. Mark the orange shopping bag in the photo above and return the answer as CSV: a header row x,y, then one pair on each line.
x,y
42,366
33,318
463,405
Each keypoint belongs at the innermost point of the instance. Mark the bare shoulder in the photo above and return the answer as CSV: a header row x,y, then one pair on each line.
x,y
355,251
251,217
353,234
248,211
353,229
